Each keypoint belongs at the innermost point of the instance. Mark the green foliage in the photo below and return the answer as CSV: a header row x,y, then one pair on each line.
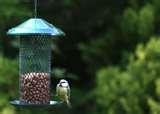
x,y
60,73
154,106
130,21
67,2
154,103
146,21
134,25
8,84
117,91
141,22
127,91
95,51
157,84
12,9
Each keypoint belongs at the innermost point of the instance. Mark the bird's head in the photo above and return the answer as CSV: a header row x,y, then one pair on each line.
x,y
63,83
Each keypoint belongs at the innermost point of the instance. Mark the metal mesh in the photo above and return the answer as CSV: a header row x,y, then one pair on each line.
x,y
35,55
35,68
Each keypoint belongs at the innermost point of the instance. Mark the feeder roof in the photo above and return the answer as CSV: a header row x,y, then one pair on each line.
x,y
35,26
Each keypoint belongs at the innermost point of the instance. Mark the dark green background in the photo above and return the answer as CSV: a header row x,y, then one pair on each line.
x,y
110,55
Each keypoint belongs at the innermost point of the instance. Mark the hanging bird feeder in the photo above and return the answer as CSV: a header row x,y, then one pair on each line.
x,y
35,37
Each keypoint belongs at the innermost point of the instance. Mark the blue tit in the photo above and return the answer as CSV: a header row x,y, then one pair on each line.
x,y
63,91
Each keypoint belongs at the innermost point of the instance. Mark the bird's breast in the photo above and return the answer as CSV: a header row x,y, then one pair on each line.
x,y
62,91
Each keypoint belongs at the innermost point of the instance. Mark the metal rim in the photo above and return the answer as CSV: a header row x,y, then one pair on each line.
x,y
17,103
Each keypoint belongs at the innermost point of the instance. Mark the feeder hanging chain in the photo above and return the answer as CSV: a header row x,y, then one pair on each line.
x,y
35,8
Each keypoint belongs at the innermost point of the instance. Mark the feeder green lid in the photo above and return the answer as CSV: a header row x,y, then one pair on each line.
x,y
35,26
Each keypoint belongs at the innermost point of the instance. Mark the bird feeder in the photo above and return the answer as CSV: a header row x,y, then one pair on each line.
x,y
35,37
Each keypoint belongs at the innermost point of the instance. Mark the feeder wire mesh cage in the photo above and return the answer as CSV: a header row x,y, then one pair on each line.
x,y
35,64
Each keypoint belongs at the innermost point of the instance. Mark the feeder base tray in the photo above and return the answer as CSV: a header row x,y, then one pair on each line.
x,y
17,103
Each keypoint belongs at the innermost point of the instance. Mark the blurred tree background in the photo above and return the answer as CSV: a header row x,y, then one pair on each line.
x,y
110,55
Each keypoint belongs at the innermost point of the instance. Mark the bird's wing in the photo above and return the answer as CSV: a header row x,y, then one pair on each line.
x,y
57,90
69,92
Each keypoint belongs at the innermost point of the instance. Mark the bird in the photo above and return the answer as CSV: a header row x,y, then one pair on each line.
x,y
63,92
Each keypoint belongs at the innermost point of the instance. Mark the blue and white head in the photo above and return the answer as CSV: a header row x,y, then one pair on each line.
x,y
63,83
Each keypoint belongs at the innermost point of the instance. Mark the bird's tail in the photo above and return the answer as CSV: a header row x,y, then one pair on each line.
x,y
69,104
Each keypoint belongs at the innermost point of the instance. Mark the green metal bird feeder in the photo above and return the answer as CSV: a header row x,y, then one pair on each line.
x,y
35,37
